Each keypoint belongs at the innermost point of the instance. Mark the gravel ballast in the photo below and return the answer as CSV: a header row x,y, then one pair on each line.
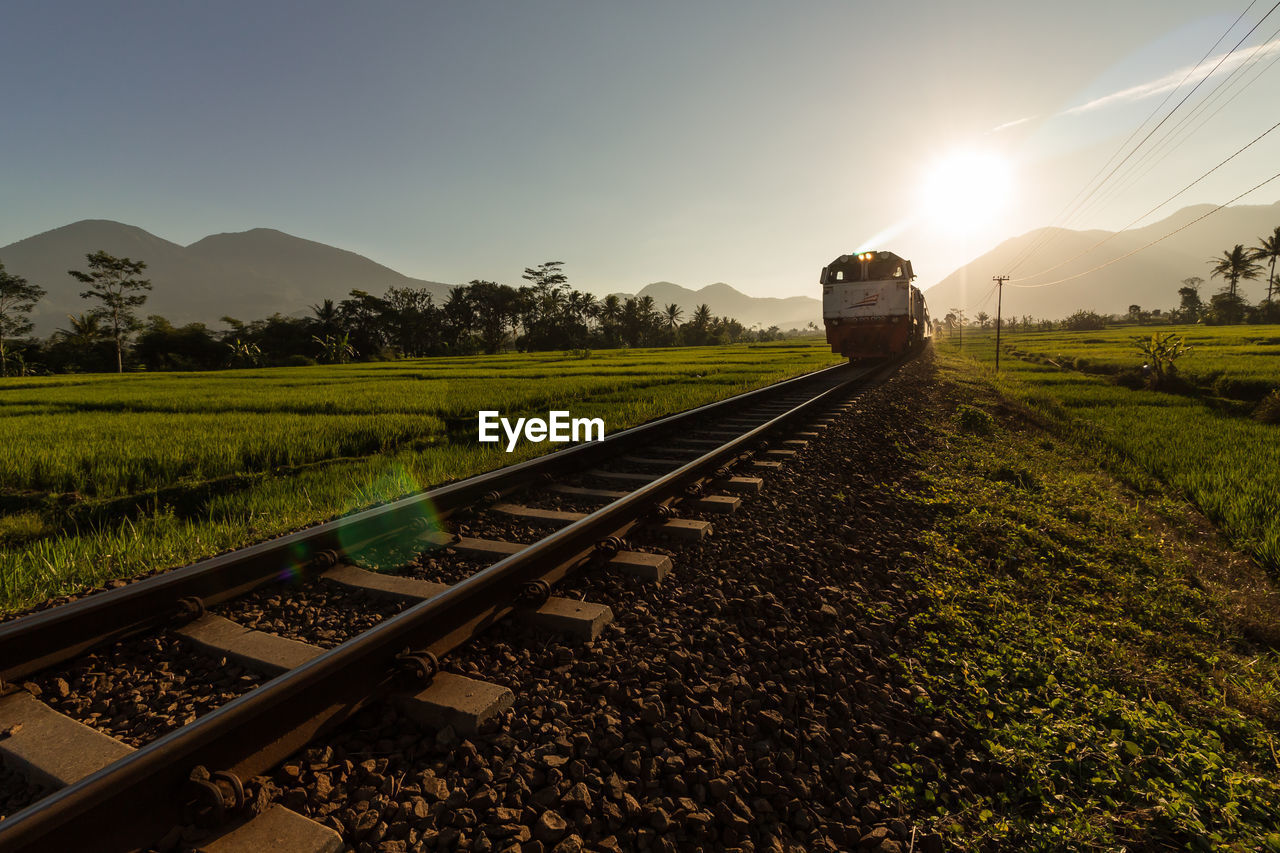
x,y
142,688
750,702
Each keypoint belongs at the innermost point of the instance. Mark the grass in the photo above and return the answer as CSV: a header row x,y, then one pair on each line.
x,y
109,476
1240,362
1225,463
1112,692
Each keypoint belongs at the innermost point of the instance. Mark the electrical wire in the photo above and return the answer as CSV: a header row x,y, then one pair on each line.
x,y
1153,242
1166,145
1115,234
1075,206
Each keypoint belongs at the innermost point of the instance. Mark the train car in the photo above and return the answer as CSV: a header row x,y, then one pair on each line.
x,y
870,307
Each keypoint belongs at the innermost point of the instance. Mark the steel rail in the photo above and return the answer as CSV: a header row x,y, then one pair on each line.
x,y
31,643
130,803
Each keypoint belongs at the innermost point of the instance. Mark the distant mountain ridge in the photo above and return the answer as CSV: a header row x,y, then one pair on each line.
x,y
247,275
1150,278
253,274
792,312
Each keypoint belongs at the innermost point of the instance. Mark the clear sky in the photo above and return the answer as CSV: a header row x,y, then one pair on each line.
x,y
694,142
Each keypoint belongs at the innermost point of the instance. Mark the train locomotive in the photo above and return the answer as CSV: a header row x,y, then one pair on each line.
x,y
870,307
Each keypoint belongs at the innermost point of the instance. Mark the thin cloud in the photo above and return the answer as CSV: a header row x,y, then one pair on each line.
x,y
1175,79
1009,124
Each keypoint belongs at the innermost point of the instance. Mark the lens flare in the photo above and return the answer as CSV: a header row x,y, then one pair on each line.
x,y
402,529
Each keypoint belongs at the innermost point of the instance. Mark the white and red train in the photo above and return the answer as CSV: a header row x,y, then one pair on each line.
x,y
870,307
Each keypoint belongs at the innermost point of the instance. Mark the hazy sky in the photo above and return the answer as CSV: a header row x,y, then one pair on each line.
x,y
746,142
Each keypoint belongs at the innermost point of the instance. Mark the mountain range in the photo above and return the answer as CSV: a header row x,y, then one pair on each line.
x,y
1149,278
253,274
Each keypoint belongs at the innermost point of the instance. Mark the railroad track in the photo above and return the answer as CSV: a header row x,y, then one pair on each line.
x,y
658,483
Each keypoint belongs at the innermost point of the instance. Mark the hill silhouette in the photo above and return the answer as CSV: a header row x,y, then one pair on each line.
x,y
793,312
253,274
1150,278
247,275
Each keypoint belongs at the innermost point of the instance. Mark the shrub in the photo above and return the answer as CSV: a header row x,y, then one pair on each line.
x,y
1268,410
1161,351
297,360
1082,321
975,420
1015,476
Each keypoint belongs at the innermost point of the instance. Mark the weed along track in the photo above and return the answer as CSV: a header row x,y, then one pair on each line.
x,y
147,715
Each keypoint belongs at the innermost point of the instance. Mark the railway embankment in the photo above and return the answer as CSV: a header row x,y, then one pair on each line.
x,y
941,627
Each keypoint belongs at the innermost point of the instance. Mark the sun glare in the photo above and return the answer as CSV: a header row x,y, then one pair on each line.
x,y
965,190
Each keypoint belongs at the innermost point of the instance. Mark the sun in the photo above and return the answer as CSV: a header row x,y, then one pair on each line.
x,y
965,190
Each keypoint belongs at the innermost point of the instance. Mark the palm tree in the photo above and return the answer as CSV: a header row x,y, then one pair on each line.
x,y
610,310
326,316
86,330
1268,248
1233,266
701,317
672,315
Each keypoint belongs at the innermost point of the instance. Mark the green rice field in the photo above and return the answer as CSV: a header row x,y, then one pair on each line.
x,y
1200,443
107,476
1231,361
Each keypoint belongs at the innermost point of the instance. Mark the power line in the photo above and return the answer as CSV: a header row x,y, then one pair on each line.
x,y
1112,236
1068,211
1169,143
1157,240
1075,206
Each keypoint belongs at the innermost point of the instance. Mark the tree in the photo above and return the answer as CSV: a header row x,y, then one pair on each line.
x,y
161,346
671,315
243,354
494,307
1235,265
697,331
1161,352
547,276
363,322
543,306
1226,308
80,346
955,321
1190,306
326,314
334,349
114,281
86,330
649,321
1268,248
17,298
1084,321
984,319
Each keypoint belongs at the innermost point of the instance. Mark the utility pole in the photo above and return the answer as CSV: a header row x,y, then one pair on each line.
x,y
999,280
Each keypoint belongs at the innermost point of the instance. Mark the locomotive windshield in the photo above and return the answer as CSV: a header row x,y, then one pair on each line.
x,y
880,266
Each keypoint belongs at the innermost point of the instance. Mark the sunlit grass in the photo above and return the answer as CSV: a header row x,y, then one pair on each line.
x,y
1226,464
111,476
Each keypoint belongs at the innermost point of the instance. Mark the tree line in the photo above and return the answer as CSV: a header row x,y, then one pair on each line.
x,y
1226,307
479,317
